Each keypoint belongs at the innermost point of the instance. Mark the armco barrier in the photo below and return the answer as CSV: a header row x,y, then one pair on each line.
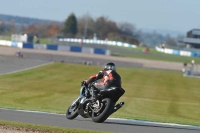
x,y
100,42
52,47
185,53
55,47
177,52
27,45
75,49
40,46
63,48
5,43
11,44
88,50
14,44
99,51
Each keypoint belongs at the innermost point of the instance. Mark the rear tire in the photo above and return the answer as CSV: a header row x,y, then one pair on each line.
x,y
104,113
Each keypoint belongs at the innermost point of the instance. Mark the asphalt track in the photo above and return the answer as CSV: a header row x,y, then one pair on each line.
x,y
35,58
73,57
14,64
110,125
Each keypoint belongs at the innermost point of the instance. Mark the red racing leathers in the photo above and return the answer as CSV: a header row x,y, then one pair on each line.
x,y
110,78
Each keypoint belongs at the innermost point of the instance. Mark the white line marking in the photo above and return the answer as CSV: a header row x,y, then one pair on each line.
x,y
158,123
27,68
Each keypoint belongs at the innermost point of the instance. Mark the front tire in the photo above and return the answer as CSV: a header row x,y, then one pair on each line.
x,y
107,106
72,111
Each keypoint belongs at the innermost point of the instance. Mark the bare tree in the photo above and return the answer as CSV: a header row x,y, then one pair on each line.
x,y
85,26
126,28
103,27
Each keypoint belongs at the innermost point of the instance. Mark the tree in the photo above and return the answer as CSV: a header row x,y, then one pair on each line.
x,y
31,29
115,37
103,27
126,28
2,27
70,26
22,27
85,26
52,29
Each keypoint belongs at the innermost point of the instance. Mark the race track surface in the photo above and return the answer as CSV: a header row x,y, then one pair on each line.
x,y
73,57
14,64
110,125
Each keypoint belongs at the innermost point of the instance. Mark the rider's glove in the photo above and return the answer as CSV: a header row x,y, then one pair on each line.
x,y
84,83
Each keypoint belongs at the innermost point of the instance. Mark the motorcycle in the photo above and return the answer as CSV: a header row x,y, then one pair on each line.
x,y
98,110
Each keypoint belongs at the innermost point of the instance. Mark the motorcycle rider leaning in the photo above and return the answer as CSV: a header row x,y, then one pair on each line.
x,y
109,77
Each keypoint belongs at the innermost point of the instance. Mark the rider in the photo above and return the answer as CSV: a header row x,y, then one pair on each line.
x,y
109,76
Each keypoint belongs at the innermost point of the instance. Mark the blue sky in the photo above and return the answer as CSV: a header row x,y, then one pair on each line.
x,y
173,15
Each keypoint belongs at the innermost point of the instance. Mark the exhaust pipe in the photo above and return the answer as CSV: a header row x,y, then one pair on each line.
x,y
118,106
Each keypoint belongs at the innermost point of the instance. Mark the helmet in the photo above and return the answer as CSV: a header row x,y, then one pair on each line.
x,y
110,66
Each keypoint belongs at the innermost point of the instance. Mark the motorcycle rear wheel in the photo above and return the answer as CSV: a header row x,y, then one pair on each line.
x,y
107,106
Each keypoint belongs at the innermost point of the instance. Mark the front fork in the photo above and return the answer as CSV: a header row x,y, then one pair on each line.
x,y
75,101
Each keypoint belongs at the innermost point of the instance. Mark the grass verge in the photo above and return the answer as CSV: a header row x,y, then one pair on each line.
x,y
17,126
154,95
155,55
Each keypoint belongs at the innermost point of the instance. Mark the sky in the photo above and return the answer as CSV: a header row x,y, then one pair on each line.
x,y
173,15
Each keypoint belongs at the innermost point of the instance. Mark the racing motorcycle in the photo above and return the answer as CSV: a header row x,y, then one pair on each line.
x,y
99,109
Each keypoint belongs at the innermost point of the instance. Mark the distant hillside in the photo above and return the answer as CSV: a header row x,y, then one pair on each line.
x,y
24,20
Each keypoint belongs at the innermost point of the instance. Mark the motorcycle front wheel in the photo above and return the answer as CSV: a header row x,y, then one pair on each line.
x,y
72,111
101,113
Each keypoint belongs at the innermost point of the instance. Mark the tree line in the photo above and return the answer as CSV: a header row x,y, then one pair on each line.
x,y
84,27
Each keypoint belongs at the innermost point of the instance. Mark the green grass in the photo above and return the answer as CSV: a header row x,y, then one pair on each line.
x,y
154,95
155,55
45,41
17,126
8,38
